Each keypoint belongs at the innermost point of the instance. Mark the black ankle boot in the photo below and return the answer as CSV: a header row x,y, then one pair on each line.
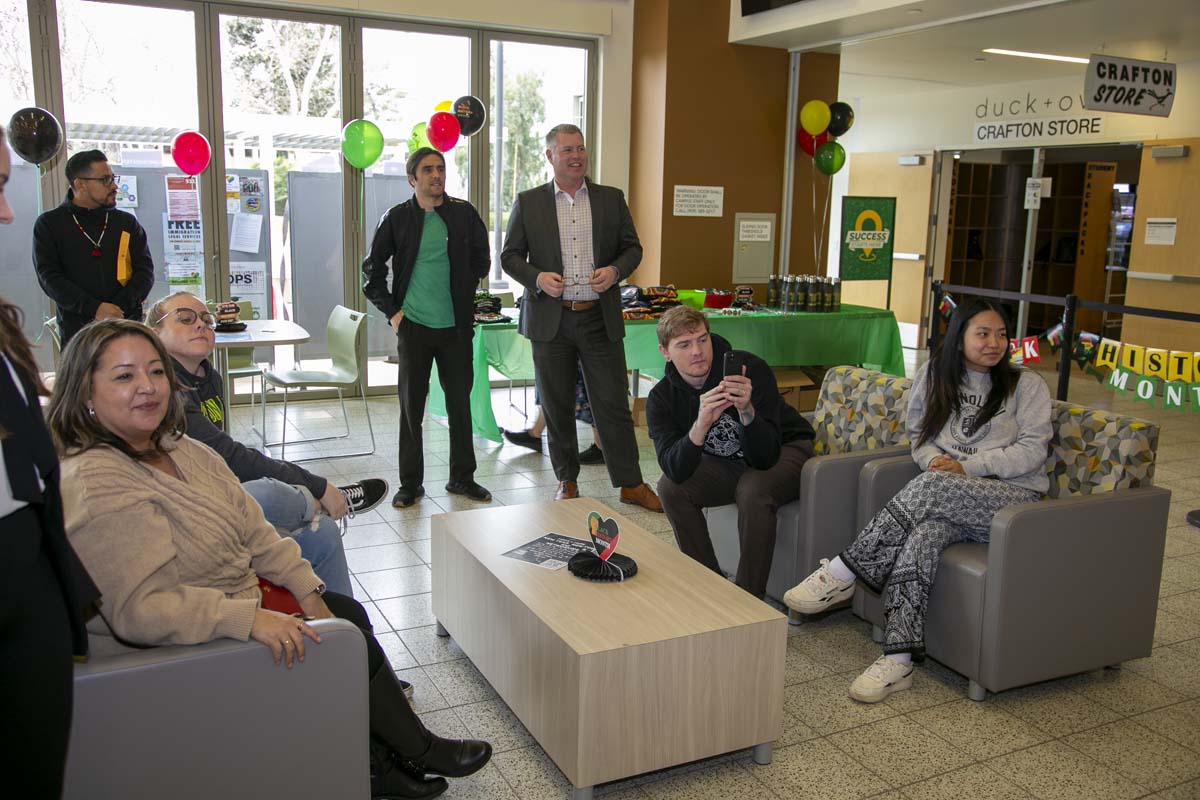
x,y
389,779
453,758
395,724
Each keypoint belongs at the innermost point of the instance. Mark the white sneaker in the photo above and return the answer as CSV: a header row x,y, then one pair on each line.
x,y
818,592
881,679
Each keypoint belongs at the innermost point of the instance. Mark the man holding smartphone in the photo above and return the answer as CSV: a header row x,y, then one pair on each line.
x,y
723,434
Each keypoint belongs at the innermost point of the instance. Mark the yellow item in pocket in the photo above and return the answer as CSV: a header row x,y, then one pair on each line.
x,y
124,265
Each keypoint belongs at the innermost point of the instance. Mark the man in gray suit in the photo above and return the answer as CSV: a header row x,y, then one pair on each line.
x,y
570,242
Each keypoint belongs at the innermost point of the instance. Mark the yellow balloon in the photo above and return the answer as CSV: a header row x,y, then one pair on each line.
x,y
814,117
445,106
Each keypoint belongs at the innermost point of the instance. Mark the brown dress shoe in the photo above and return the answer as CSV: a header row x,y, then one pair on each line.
x,y
641,495
567,490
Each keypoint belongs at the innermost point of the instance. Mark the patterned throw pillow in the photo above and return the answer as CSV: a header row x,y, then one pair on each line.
x,y
1098,451
860,409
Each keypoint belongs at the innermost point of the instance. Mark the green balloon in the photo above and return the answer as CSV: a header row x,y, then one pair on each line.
x,y
830,157
362,143
418,139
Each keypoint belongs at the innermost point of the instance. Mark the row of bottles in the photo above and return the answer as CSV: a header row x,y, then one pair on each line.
x,y
804,293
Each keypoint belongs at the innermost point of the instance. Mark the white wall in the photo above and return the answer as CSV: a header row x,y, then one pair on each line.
x,y
945,120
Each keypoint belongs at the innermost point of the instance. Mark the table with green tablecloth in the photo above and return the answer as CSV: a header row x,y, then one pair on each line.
x,y
868,337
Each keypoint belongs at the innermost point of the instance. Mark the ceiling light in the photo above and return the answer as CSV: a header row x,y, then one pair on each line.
x,y
1043,56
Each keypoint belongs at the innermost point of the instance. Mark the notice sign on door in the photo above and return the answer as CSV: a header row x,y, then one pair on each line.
x,y
1129,86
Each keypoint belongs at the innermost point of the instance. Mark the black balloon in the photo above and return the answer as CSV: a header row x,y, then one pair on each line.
x,y
841,118
471,114
35,135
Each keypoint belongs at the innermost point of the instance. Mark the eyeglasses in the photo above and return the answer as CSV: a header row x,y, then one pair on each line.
x,y
577,280
186,316
104,180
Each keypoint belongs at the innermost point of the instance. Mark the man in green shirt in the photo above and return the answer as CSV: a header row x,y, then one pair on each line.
x,y
437,246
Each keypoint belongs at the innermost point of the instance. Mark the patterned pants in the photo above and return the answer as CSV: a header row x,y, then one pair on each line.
x,y
898,552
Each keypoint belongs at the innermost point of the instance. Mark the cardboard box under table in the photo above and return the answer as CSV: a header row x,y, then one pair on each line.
x,y
612,679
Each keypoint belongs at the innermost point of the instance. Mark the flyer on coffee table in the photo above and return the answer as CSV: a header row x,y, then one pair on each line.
x,y
551,551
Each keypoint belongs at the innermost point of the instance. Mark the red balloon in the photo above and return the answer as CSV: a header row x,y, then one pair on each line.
x,y
810,143
191,152
443,131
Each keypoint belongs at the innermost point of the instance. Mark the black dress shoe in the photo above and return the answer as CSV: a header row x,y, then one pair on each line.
x,y
453,758
405,497
593,455
469,489
523,439
391,781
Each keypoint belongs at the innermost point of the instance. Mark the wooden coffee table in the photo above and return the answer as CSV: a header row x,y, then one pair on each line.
x,y
612,679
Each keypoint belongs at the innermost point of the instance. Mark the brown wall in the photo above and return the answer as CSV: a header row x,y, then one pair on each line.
x,y
1166,188
818,81
649,115
705,113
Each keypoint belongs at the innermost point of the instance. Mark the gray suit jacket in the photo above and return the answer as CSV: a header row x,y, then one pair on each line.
x,y
532,246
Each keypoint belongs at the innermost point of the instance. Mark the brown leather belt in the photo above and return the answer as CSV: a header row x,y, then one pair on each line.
x,y
580,305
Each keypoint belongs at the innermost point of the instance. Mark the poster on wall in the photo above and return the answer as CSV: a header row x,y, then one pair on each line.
x,y
1129,86
699,201
127,191
183,197
868,227
183,254
248,282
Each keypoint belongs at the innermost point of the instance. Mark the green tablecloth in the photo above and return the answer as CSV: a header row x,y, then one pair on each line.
x,y
868,337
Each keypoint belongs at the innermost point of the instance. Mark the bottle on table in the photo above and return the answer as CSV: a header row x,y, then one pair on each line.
x,y
773,292
837,294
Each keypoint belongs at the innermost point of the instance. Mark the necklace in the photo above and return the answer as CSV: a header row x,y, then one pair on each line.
x,y
95,242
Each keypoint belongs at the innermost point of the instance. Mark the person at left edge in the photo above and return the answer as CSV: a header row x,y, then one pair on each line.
x,y
45,593
91,258
438,248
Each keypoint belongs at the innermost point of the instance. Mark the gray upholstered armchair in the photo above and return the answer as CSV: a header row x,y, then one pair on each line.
x,y
1068,584
859,417
221,720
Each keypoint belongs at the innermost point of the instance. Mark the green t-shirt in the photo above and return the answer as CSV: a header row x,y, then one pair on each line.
x,y
427,301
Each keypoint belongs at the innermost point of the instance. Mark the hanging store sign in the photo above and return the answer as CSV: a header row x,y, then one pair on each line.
x,y
1129,86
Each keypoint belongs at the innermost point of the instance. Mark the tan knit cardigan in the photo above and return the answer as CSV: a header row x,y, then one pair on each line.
x,y
177,561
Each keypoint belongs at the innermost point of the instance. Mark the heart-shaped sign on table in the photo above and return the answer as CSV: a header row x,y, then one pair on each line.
x,y
604,533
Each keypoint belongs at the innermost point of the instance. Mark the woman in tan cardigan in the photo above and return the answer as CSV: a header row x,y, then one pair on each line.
x,y
177,547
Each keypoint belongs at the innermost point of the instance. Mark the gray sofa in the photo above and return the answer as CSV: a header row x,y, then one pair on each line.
x,y
859,417
1068,584
220,720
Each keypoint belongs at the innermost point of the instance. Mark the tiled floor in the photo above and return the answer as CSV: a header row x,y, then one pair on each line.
x,y
1122,733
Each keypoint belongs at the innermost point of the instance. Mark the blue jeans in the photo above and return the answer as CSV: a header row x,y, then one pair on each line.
x,y
291,509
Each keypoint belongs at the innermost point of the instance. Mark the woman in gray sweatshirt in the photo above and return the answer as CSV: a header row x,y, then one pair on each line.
x,y
980,429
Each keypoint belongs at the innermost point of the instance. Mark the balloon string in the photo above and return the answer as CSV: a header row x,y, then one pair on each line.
x,y
825,219
812,166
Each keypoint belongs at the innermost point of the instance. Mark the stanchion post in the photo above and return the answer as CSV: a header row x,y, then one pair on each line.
x,y
935,316
1064,367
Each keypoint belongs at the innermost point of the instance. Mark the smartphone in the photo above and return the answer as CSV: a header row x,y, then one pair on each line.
x,y
734,361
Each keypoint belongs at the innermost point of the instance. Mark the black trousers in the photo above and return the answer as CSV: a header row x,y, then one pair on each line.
x,y
758,494
36,666
582,339
405,730
418,348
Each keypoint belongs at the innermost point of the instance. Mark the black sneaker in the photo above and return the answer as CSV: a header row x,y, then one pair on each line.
x,y
593,455
406,497
469,489
523,439
365,494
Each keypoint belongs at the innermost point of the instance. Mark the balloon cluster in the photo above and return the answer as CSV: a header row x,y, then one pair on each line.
x,y
362,141
820,124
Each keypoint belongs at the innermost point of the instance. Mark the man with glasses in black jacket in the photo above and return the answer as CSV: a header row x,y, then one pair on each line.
x,y
91,258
